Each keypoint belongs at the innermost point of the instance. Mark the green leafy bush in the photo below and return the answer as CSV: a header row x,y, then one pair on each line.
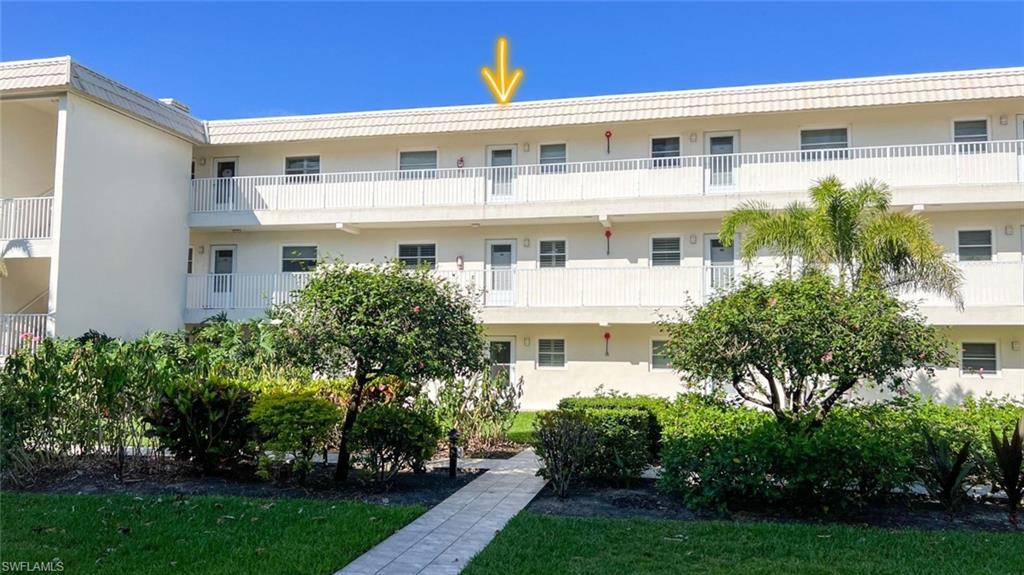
x,y
393,437
564,441
1009,455
622,447
719,455
655,408
945,472
481,408
205,421
294,427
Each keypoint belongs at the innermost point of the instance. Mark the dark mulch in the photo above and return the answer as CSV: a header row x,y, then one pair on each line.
x,y
644,500
169,477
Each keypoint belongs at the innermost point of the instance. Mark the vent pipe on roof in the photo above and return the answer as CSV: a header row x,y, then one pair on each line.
x,y
176,104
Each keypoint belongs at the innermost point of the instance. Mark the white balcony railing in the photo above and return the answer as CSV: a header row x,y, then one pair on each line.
x,y
986,284
26,218
21,329
997,162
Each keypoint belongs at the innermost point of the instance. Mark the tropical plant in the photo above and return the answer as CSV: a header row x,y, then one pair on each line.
x,y
1009,452
797,346
378,321
294,427
564,441
945,472
852,231
481,407
393,437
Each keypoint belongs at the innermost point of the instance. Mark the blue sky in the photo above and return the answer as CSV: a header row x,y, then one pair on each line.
x,y
232,60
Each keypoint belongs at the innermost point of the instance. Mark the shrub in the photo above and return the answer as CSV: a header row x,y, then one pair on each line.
x,y
719,455
565,445
482,407
622,447
294,427
655,407
945,472
394,437
203,420
1009,455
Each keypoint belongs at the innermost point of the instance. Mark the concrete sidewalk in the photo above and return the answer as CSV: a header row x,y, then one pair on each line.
x,y
444,539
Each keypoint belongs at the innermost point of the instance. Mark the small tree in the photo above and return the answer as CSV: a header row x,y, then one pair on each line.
x,y
375,321
796,346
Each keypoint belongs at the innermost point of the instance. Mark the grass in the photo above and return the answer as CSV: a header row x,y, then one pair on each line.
x,y
196,535
535,544
522,427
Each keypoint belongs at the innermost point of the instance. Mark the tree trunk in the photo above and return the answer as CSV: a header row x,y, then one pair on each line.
x,y
351,412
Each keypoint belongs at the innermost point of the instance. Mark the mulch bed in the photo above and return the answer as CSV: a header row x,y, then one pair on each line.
x,y
169,477
643,500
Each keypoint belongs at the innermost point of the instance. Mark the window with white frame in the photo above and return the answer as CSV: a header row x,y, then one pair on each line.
x,y
659,356
188,266
665,151
824,144
552,158
965,131
974,245
416,255
302,165
666,252
550,353
298,258
978,358
552,253
422,163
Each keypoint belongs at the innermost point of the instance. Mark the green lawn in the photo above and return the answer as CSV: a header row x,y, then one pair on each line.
x,y
229,535
538,544
522,427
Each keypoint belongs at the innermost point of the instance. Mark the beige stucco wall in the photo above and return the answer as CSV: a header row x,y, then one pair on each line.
x,y
122,233
26,279
28,135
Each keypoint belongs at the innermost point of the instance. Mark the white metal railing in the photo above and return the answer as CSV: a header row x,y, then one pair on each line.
x,y
757,172
21,329
26,218
985,284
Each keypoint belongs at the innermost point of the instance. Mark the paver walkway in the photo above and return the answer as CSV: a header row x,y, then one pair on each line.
x,y
444,539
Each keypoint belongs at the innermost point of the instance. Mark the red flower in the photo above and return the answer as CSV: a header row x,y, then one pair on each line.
x,y
416,309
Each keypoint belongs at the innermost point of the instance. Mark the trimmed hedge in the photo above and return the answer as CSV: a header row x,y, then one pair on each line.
x,y
655,409
622,447
720,455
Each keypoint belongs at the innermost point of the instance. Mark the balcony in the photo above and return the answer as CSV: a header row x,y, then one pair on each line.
x,y
637,293
26,218
22,329
350,193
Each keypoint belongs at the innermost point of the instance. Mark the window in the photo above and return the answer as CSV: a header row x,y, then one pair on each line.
x,y
665,252
665,151
974,245
818,144
552,158
416,255
659,360
552,253
978,358
422,162
298,258
302,165
550,353
970,131
188,265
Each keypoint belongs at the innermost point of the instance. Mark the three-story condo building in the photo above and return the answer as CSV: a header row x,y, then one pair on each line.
x,y
579,222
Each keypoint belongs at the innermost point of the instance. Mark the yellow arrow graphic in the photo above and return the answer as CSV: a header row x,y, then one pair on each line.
x,y
504,86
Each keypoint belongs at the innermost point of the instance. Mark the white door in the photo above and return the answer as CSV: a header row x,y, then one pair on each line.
x,y
222,279
501,181
502,351
719,265
500,277
722,162
225,169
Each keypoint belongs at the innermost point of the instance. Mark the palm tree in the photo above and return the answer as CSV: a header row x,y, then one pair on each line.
x,y
851,231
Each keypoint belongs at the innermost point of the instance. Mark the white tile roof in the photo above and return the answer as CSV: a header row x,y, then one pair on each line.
x,y
65,74
877,91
